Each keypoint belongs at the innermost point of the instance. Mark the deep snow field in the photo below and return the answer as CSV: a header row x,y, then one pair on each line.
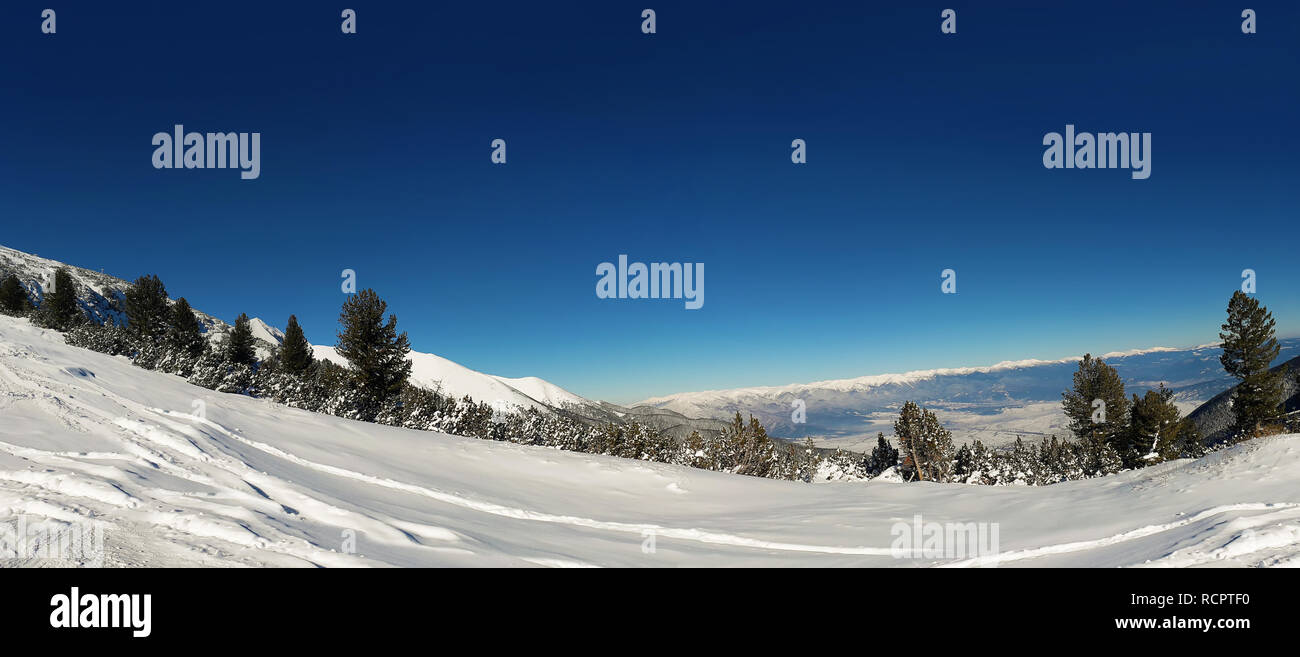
x,y
235,481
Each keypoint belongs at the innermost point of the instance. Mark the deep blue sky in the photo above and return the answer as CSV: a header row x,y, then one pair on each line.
x,y
924,153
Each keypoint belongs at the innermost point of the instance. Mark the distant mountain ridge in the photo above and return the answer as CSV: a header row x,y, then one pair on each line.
x,y
861,405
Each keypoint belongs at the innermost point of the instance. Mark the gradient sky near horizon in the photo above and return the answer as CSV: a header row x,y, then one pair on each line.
x,y
924,153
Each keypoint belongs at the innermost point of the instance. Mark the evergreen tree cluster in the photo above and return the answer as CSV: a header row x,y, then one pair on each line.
x,y
59,308
924,445
1049,462
1136,433
745,448
883,457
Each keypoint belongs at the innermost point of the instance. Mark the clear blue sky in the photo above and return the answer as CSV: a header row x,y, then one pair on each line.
x,y
924,153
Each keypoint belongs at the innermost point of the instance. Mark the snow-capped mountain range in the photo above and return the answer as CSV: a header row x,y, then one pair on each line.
x,y
994,403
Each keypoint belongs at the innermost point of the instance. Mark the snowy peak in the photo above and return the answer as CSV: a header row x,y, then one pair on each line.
x,y
450,378
265,332
544,391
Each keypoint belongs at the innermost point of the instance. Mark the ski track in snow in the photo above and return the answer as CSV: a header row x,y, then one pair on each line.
x,y
525,514
729,539
1140,532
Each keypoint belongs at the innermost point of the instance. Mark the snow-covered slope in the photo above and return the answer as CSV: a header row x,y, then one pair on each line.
x,y
181,475
101,296
451,378
265,332
437,373
544,391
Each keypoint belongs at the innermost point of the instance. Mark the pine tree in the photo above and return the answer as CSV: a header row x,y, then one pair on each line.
x,y
147,312
183,332
883,457
375,351
693,453
59,309
13,297
1249,347
1158,431
1049,453
981,465
295,352
1097,407
926,446
239,344
963,464
1022,462
1099,458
